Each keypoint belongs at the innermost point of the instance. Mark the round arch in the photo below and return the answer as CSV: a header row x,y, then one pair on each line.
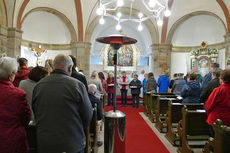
x,y
58,14
3,13
151,27
186,17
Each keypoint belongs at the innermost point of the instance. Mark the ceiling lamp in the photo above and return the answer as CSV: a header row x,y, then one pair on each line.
x,y
154,9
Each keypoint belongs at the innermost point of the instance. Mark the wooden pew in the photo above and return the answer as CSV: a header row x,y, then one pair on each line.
x,y
192,127
32,138
103,100
220,143
93,132
173,116
145,103
161,110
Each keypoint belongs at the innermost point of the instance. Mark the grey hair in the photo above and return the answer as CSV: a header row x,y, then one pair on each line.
x,y
63,61
8,66
92,89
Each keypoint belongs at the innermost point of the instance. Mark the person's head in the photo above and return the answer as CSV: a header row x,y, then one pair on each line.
x,y
175,75
123,73
63,62
135,76
8,68
143,72
23,62
49,65
92,89
101,76
214,66
110,75
37,73
146,75
216,73
180,75
163,73
151,74
95,75
225,76
192,77
74,60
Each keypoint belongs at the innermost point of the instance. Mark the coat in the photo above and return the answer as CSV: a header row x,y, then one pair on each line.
x,y
110,89
94,100
120,81
207,78
163,84
22,74
218,105
62,109
14,117
28,86
191,92
178,85
151,84
208,88
136,83
80,77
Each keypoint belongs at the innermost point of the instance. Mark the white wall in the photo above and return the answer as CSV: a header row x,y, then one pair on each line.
x,y
198,28
45,27
180,63
50,54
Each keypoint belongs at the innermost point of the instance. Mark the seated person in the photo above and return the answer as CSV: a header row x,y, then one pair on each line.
x,y
135,86
218,104
210,86
92,89
191,90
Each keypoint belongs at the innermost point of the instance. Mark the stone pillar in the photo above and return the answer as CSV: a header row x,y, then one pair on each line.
x,y
82,51
3,39
161,58
227,49
14,42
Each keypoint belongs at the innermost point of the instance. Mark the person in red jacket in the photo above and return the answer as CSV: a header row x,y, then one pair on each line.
x,y
23,72
15,110
110,88
218,104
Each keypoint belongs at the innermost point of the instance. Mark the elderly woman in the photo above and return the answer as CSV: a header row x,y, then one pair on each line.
x,y
94,79
110,88
28,85
15,110
218,104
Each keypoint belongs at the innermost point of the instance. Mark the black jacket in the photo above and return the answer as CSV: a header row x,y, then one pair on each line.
x,y
208,88
136,83
93,99
151,84
80,77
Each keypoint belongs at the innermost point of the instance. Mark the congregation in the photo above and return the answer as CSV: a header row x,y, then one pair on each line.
x,y
60,100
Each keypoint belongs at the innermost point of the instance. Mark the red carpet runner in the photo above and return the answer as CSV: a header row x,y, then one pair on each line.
x,y
139,136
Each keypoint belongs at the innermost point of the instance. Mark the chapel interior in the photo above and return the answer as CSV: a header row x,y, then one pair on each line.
x,y
193,35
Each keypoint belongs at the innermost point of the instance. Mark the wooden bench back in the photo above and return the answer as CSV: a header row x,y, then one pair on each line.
x,y
32,137
163,104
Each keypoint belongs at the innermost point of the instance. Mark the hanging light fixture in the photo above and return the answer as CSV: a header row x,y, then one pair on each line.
x,y
156,9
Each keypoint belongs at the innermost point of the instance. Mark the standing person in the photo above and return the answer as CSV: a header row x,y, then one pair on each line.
x,y
208,77
94,79
76,74
135,86
210,86
151,85
144,83
218,104
110,88
15,110
49,65
123,83
103,82
23,71
191,90
163,83
35,75
178,84
175,76
62,109
141,77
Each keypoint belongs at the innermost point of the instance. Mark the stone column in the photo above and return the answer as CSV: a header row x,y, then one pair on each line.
x,y
3,39
161,58
82,51
14,42
227,49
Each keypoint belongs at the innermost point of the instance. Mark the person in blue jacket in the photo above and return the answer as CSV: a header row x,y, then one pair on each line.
x,y
163,83
191,90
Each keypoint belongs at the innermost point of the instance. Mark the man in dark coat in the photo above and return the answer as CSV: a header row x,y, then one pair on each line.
x,y
62,109
135,86
208,77
210,86
76,74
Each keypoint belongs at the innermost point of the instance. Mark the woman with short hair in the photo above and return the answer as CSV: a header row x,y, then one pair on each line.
x,y
15,110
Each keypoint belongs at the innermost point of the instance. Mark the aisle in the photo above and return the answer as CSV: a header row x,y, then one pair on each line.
x,y
139,136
